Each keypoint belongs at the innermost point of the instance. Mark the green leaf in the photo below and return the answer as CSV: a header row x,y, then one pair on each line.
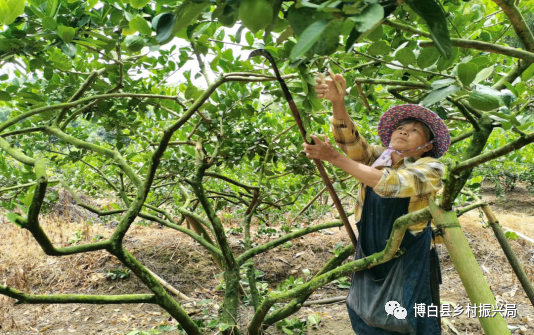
x,y
163,24
376,34
137,4
287,331
378,48
60,61
187,13
13,218
4,96
427,57
69,49
370,16
483,75
528,73
66,33
27,200
467,72
511,235
10,10
444,63
51,7
48,23
439,94
431,13
308,38
405,56
351,39
138,23
520,88
525,126
442,83
504,117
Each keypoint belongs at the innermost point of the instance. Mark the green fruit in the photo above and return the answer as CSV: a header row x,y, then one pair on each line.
x,y
134,43
255,14
301,18
483,101
227,20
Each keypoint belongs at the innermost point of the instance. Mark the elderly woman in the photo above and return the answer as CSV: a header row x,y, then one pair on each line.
x,y
400,296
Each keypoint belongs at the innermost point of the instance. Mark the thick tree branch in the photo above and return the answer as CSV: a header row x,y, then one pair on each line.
x,y
16,153
22,131
209,246
163,298
465,113
490,155
413,84
24,298
39,110
281,240
90,208
488,47
518,22
115,155
461,137
512,75
31,223
294,305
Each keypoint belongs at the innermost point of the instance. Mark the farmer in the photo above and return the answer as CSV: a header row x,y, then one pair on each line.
x,y
400,296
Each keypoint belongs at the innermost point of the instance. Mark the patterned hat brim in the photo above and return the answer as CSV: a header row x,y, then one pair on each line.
x,y
394,115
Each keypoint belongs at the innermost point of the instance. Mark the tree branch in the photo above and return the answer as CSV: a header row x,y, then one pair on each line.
x,y
488,47
490,155
462,136
16,153
22,131
230,180
518,22
39,110
79,93
31,223
24,298
281,240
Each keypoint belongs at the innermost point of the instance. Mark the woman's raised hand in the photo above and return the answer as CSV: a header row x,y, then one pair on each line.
x,y
328,90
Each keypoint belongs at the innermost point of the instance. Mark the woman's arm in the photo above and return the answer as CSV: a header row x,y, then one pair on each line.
x,y
326,151
343,127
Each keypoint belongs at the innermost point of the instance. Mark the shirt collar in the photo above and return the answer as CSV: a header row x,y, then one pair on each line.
x,y
407,161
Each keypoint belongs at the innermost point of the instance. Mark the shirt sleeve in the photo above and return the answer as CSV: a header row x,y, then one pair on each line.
x,y
352,143
422,177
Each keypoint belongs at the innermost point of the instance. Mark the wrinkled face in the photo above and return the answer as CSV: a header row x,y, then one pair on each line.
x,y
410,136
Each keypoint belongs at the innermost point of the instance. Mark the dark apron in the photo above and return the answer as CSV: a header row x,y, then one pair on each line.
x,y
406,279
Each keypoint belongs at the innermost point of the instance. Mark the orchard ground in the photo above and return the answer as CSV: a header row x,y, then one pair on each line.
x,y
185,265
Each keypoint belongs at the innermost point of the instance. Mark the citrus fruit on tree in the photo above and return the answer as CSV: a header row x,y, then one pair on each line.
x,y
255,14
134,43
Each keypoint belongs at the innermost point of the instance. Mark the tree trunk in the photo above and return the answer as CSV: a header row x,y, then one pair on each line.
x,y
228,313
470,273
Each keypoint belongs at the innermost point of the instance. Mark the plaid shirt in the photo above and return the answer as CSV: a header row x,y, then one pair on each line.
x,y
414,177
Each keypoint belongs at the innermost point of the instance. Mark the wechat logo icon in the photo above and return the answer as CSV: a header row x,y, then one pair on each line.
x,y
393,307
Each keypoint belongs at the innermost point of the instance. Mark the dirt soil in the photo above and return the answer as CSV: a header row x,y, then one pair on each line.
x,y
186,266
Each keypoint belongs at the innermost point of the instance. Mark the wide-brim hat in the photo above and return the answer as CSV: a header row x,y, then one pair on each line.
x,y
391,118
